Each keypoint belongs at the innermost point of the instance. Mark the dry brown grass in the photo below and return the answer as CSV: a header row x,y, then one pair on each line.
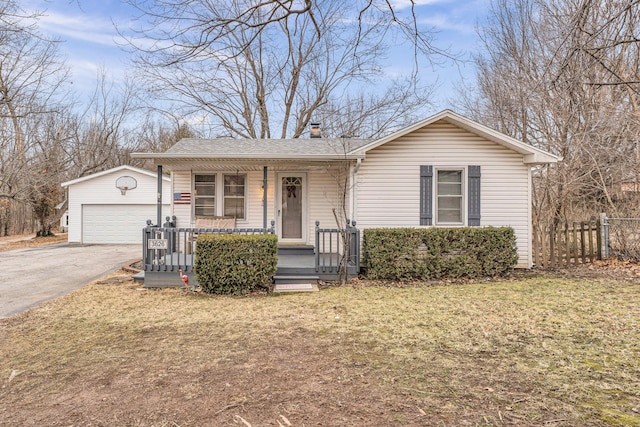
x,y
10,243
535,351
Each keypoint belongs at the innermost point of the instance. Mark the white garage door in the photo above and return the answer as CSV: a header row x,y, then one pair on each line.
x,y
116,224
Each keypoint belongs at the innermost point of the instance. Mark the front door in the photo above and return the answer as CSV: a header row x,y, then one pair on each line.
x,y
291,207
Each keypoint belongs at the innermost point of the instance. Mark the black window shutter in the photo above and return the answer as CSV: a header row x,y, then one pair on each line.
x,y
474,195
426,195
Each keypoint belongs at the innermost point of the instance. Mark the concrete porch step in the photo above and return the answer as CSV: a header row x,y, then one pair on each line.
x,y
295,287
280,279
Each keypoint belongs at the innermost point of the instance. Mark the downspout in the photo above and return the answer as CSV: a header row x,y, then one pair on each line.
x,y
530,221
354,209
264,197
159,216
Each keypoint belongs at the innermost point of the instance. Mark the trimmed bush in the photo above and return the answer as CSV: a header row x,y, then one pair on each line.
x,y
434,253
235,263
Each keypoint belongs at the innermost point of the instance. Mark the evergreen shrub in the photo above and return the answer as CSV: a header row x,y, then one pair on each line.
x,y
435,253
235,263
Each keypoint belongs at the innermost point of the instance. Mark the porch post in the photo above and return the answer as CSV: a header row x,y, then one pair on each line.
x,y
159,217
354,191
264,197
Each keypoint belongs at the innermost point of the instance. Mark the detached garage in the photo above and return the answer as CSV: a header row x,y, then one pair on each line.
x,y
112,207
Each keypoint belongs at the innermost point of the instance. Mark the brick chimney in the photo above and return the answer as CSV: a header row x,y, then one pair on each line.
x,y
314,131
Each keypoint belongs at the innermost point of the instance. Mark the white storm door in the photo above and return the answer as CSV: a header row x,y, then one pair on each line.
x,y
292,207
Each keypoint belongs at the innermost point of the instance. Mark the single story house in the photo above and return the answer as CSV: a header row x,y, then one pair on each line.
x,y
112,206
444,171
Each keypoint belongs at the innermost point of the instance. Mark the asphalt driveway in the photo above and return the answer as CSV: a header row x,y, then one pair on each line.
x,y
31,276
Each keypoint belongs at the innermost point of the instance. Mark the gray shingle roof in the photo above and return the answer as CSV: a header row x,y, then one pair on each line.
x,y
321,149
265,148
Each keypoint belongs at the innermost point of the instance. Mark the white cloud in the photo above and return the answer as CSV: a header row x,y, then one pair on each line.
x,y
442,22
90,43
98,30
404,4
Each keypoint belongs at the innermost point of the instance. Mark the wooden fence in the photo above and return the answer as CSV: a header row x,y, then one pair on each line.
x,y
565,245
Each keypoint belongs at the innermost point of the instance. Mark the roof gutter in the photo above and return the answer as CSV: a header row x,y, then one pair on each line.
x,y
196,156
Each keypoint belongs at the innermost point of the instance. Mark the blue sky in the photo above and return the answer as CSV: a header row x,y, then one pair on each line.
x,y
90,40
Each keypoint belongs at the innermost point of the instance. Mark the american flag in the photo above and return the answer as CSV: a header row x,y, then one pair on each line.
x,y
181,198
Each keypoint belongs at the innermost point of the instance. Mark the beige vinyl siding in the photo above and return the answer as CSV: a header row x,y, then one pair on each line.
x,y
323,198
389,180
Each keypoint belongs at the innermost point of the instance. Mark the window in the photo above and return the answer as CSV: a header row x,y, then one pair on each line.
x,y
205,195
220,195
449,201
234,195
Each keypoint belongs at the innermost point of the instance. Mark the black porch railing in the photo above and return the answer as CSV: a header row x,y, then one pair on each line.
x,y
338,250
173,249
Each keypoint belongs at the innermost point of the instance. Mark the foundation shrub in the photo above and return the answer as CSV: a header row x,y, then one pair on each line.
x,y
235,263
435,253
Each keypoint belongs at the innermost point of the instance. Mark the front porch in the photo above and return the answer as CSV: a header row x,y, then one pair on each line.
x,y
169,250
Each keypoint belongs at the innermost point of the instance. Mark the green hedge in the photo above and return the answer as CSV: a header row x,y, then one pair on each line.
x,y
434,253
235,263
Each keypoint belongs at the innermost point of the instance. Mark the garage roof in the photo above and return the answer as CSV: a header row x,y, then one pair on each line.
x,y
108,171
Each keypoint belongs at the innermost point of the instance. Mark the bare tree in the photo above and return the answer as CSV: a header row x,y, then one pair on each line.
x,y
191,28
373,115
160,135
603,35
262,70
539,81
31,76
45,137
103,133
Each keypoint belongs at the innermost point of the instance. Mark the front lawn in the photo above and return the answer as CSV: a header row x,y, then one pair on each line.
x,y
539,350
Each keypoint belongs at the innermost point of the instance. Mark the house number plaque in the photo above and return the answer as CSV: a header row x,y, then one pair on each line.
x,y
157,244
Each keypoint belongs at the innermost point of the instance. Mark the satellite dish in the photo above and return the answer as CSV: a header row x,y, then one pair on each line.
x,y
125,183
